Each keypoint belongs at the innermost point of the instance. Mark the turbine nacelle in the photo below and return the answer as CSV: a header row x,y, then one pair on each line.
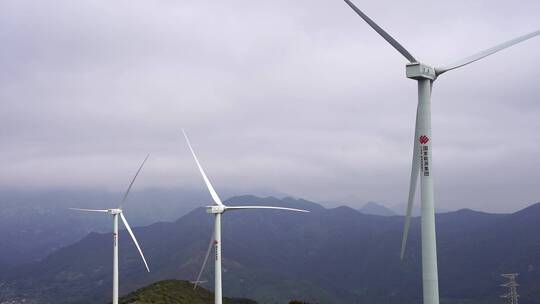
x,y
419,71
114,211
216,209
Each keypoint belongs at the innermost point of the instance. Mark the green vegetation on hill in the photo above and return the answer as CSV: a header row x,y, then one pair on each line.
x,y
175,292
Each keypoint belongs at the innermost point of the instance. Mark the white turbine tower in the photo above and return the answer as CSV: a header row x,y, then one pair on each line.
x,y
115,213
218,209
422,161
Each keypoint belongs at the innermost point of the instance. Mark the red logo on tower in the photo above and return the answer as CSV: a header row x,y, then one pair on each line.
x,y
423,139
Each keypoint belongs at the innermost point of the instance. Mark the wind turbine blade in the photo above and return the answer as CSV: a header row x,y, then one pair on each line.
x,y
486,53
132,181
91,210
382,32
264,207
204,261
134,239
415,168
213,193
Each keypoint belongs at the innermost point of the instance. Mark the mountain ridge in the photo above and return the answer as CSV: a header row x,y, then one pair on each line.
x,y
377,209
336,255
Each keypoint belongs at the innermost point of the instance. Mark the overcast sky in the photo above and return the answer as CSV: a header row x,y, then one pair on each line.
x,y
300,97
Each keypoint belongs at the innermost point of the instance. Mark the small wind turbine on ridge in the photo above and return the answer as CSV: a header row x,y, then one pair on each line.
x,y
218,209
115,212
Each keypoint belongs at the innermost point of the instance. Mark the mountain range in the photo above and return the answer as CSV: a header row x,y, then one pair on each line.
x,y
337,255
36,223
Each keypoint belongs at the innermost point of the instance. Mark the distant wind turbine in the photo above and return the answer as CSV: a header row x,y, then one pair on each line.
x,y
115,213
218,209
422,161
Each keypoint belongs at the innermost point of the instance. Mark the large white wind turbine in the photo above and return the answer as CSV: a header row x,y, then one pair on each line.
x,y
422,161
218,209
115,213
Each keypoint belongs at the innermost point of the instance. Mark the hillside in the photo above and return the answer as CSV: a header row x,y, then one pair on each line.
x,y
327,256
175,292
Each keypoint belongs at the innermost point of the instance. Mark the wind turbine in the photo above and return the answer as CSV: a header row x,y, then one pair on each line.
x,y
115,213
218,209
422,161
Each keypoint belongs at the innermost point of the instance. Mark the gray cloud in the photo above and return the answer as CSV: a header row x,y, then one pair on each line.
x,y
297,96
